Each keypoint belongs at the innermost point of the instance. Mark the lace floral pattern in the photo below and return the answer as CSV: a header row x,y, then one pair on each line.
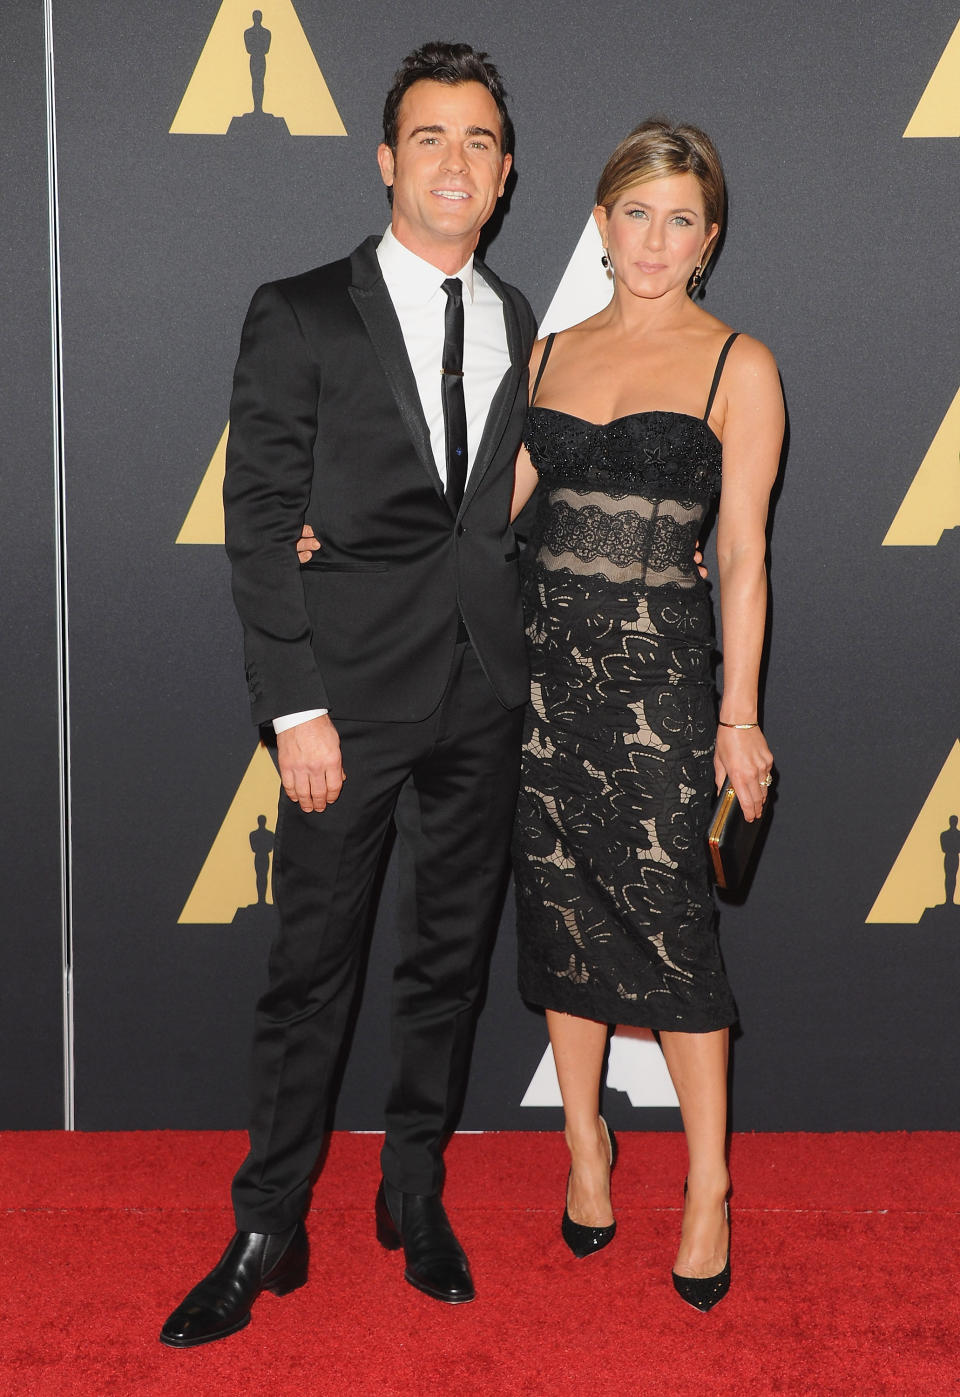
x,y
663,454
637,539
615,912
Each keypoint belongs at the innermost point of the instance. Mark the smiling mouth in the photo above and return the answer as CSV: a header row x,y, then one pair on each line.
x,y
453,194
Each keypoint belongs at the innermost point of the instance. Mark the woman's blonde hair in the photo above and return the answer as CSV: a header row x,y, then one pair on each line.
x,y
658,147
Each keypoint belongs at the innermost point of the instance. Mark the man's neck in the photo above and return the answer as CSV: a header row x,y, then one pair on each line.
x,y
447,257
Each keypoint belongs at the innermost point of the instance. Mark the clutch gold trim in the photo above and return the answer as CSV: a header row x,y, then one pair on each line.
x,y
733,840
728,801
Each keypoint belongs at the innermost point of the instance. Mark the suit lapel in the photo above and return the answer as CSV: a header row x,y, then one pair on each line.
x,y
375,308
503,398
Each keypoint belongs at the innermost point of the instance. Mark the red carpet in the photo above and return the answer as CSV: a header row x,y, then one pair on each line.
x,y
846,1276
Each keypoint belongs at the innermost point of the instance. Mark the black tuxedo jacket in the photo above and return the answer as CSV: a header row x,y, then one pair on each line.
x,y
326,427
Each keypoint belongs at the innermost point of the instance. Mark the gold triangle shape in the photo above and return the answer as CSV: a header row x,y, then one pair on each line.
x,y
932,503
204,521
916,880
294,87
227,881
938,111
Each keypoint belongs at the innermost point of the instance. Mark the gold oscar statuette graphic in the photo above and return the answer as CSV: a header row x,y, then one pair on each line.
x,y
921,887
204,521
932,504
257,73
938,111
234,883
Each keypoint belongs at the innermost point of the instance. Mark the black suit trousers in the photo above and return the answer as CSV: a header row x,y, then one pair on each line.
x,y
460,767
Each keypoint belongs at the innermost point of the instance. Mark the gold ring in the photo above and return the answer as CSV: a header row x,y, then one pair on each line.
x,y
767,780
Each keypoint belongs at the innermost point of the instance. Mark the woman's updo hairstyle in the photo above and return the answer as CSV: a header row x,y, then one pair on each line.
x,y
658,147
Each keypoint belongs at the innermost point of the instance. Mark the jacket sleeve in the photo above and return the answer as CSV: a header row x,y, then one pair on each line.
x,y
523,524
528,321
269,476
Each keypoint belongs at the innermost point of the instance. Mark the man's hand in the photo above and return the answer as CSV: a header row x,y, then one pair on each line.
x,y
310,766
307,544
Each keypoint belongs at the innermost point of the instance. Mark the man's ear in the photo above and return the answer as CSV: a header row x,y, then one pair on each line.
x,y
385,159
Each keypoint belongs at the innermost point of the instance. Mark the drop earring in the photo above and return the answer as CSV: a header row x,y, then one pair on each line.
x,y
697,277
606,263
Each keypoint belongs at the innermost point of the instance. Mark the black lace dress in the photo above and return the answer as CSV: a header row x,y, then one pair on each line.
x,y
616,920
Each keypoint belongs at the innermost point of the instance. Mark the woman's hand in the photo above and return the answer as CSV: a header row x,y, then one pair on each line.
x,y
307,544
742,755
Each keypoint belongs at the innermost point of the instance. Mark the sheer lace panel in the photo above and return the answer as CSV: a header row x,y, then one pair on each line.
x,y
621,537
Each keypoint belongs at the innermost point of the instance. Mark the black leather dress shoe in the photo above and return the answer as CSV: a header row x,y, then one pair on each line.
x,y
220,1304
436,1263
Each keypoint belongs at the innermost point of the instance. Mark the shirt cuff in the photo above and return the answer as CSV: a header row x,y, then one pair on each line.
x,y
293,720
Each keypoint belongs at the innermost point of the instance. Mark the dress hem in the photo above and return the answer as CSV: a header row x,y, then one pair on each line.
x,y
685,1022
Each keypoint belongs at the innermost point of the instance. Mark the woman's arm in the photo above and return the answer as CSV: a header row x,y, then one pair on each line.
x,y
752,440
525,479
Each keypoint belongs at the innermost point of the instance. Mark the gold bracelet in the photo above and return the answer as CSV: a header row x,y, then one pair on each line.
x,y
737,725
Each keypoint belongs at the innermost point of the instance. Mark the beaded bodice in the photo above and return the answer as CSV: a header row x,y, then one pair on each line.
x,y
623,499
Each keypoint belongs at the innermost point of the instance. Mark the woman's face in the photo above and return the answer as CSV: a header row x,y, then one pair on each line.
x,y
655,234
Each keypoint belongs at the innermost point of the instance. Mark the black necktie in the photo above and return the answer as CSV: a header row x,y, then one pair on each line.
x,y
454,409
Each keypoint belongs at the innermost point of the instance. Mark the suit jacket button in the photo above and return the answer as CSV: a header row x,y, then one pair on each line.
x,y
460,530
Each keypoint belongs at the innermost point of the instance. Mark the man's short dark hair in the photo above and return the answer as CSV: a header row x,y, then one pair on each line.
x,y
450,63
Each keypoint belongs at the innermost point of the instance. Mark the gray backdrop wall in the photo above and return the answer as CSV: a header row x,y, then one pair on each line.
x,y
131,776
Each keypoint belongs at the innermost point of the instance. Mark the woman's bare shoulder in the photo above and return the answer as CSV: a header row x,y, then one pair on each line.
x,y
568,338
751,363
571,339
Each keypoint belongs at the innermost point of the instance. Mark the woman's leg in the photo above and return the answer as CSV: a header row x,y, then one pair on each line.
x,y
578,1049
698,1068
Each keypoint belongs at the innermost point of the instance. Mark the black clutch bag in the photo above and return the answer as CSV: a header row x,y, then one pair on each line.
x,y
733,840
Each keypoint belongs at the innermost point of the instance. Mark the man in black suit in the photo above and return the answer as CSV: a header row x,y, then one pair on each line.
x,y
380,399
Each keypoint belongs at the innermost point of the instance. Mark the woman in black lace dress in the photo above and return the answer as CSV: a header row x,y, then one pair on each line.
x,y
639,417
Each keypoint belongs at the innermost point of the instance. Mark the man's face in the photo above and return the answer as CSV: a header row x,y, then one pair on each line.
x,y
448,170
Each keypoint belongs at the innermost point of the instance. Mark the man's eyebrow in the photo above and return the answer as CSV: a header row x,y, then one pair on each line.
x,y
439,130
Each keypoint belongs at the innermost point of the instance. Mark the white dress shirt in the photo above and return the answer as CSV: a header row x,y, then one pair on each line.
x,y
416,289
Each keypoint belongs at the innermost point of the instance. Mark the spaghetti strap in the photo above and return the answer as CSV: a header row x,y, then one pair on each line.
x,y
718,371
543,364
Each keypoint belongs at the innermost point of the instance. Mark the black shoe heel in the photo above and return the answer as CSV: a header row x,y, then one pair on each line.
x,y
285,1287
291,1280
703,1292
290,1272
388,1234
584,1241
